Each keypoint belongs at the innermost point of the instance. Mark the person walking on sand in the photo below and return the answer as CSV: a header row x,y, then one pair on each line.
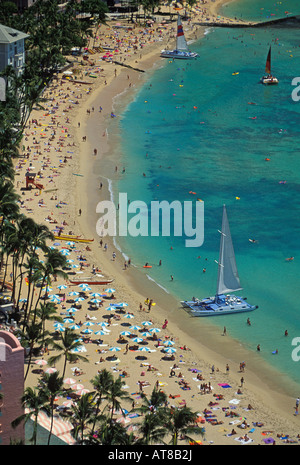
x,y
79,212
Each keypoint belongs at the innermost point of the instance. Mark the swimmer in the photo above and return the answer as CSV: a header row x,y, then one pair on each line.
x,y
289,259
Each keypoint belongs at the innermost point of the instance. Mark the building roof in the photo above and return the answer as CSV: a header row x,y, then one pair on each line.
x,y
9,35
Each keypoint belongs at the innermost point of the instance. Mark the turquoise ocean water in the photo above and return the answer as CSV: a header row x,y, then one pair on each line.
x,y
203,129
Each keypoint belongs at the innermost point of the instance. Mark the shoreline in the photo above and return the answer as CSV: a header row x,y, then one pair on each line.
x,y
132,284
138,281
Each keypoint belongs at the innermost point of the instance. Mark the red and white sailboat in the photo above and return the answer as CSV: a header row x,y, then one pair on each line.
x,y
181,51
268,79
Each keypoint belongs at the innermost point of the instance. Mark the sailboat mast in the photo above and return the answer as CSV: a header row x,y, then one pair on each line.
x,y
268,62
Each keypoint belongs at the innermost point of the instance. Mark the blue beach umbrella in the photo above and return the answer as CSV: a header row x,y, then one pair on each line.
x,y
138,339
144,349
114,349
87,331
170,350
88,323
73,293
147,323
109,290
102,333
62,286
74,327
135,328
68,320
128,316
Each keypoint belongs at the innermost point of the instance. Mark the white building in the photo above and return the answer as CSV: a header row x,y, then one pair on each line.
x,y
12,48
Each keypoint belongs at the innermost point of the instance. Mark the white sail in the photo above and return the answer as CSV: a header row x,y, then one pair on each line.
x,y
228,279
180,38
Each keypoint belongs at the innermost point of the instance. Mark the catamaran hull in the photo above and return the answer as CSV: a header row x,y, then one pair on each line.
x,y
178,54
209,307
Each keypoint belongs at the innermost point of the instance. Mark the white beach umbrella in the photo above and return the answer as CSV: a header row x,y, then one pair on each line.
x,y
154,330
125,333
79,349
68,320
69,381
129,316
114,349
138,339
51,370
109,290
65,252
95,294
62,286
169,343
102,323
95,301
73,293
147,323
144,349
101,333
88,323
72,310
79,299
121,304
135,328
41,362
87,331
146,334
82,391
170,350
74,327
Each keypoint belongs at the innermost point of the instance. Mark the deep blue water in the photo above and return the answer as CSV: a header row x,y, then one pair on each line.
x,y
207,129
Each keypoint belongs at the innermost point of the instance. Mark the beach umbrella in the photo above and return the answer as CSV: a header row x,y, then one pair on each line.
x,y
40,362
146,334
69,381
54,298
128,316
84,286
75,266
137,339
122,304
87,331
72,310
68,320
144,349
95,301
82,391
70,260
65,252
135,328
50,370
77,387
73,293
61,329
79,299
170,350
102,333
74,327
68,403
70,243
154,330
109,290
169,343
147,323
62,286
103,323
125,333
79,349
114,349
95,294
88,323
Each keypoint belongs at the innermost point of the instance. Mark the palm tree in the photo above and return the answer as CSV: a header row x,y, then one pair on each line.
x,y
29,337
47,312
155,417
182,421
34,401
101,383
69,343
82,415
52,385
115,394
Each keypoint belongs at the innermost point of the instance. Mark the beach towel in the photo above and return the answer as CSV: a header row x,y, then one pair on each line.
x,y
224,385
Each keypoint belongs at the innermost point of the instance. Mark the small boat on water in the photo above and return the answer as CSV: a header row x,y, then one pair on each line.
x,y
228,281
268,79
90,282
181,51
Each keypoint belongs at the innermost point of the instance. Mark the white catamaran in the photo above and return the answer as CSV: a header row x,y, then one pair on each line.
x,y
228,281
181,51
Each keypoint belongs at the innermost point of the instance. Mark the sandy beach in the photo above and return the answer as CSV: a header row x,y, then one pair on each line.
x,y
69,148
